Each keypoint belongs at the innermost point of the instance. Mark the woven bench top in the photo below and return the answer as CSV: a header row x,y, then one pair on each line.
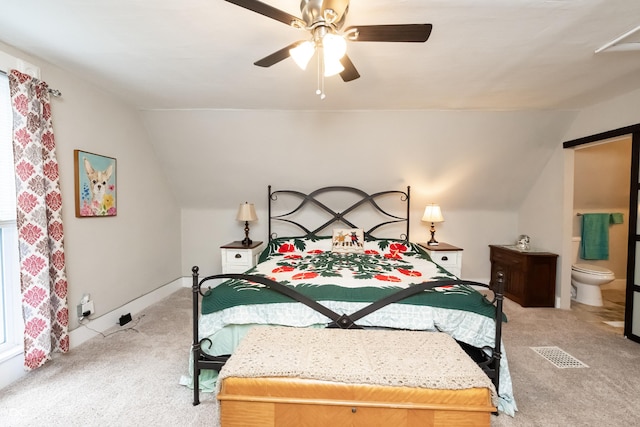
x,y
378,357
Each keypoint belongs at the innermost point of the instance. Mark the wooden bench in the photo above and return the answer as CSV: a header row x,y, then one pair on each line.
x,y
332,377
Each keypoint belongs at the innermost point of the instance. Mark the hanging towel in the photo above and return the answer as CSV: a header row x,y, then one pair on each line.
x,y
616,218
595,236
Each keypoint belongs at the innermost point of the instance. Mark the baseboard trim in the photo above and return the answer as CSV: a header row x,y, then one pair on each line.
x,y
100,324
620,284
12,369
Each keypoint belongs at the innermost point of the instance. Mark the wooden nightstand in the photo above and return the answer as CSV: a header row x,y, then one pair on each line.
x,y
238,258
447,256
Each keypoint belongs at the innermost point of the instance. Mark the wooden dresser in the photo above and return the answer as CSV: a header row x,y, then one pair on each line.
x,y
530,276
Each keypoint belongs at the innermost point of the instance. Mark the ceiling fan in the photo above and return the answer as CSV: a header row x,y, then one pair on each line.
x,y
324,19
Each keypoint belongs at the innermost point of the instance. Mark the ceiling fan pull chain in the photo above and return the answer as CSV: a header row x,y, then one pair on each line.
x,y
320,90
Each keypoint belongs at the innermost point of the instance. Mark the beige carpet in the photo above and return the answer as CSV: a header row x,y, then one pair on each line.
x,y
106,381
604,394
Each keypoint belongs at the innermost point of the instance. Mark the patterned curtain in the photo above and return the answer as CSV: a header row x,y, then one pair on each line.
x,y
43,278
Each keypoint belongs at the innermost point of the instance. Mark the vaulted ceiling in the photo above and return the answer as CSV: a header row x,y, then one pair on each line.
x,y
481,55
222,128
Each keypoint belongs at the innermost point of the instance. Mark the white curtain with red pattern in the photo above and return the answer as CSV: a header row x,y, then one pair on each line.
x,y
43,277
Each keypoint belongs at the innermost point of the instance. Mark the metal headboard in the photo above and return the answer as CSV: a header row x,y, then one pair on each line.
x,y
365,199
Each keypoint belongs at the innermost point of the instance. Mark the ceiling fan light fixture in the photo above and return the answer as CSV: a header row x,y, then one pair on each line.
x,y
332,67
330,16
303,53
325,19
335,46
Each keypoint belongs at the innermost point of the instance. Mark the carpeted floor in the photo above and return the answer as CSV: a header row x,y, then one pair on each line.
x,y
108,382
604,394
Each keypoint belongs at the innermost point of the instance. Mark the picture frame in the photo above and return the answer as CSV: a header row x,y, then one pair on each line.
x,y
95,185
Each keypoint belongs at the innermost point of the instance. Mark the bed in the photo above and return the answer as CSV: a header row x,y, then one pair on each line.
x,y
339,273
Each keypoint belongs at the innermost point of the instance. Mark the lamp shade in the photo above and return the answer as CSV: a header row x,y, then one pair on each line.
x,y
432,213
335,46
246,212
302,53
332,48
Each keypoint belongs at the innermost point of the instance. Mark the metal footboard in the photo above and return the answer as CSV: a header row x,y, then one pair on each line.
x,y
488,358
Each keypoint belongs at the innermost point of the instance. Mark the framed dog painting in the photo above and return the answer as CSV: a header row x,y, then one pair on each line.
x,y
95,183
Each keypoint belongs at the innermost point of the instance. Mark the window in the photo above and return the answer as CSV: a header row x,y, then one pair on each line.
x,y
10,319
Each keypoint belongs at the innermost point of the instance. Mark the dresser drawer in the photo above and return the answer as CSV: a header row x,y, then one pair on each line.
x,y
507,257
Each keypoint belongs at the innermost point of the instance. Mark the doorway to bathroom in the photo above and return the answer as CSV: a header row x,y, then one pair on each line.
x,y
632,288
602,176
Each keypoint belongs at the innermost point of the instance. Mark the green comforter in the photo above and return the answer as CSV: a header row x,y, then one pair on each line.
x,y
381,268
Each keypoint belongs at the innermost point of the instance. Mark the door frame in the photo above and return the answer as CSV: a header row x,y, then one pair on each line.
x,y
634,235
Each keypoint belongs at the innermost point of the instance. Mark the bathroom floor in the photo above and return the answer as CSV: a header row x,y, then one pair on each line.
x,y
612,310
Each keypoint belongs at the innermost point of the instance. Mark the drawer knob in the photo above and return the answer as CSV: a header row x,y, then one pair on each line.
x,y
238,256
445,258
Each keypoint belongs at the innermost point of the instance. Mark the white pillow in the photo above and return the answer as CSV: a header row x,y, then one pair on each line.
x,y
348,240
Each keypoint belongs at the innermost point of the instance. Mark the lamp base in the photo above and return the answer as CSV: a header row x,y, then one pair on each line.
x,y
433,241
247,241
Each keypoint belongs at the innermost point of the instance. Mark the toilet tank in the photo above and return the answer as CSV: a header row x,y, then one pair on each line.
x,y
575,249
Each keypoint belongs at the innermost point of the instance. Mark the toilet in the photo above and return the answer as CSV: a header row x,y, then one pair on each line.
x,y
587,279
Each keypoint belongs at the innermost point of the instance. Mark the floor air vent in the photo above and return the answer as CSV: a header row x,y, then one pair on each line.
x,y
559,357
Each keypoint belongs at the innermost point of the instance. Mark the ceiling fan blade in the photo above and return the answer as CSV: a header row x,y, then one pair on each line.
x,y
266,10
392,33
349,73
277,56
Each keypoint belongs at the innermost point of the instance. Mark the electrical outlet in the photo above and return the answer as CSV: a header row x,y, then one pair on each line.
x,y
87,309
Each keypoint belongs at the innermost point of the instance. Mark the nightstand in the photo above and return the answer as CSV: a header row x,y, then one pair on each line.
x,y
238,258
447,256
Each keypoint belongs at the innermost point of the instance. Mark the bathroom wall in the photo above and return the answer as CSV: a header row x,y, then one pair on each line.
x,y
602,177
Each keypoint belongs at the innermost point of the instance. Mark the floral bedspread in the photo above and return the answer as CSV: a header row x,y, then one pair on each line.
x,y
312,269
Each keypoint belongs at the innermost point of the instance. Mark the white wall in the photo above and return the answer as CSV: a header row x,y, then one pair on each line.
x,y
613,114
121,258
553,225
540,215
477,165
114,259
464,160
